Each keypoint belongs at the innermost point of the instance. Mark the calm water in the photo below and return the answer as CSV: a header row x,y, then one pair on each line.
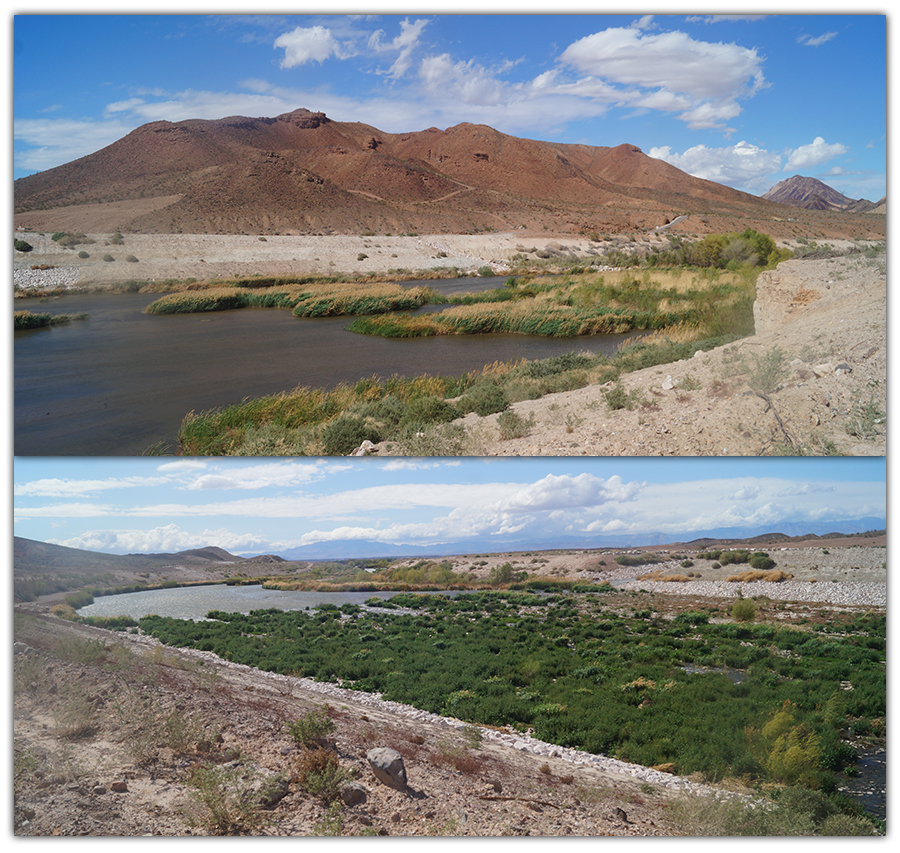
x,y
122,380
196,601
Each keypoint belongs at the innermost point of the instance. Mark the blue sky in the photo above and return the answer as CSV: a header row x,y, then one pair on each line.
x,y
124,505
746,100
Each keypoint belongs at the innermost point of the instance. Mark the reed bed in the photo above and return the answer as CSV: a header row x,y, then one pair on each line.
x,y
31,320
316,299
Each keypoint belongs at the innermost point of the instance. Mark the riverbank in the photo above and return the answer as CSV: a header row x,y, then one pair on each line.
x,y
463,780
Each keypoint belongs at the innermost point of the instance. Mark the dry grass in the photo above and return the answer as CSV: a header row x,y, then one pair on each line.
x,y
774,575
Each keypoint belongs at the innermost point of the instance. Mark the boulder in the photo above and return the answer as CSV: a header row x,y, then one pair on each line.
x,y
354,793
387,765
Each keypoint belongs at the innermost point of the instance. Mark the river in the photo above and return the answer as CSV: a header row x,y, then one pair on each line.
x,y
120,381
194,602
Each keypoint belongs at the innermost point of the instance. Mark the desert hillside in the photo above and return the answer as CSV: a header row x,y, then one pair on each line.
x,y
301,173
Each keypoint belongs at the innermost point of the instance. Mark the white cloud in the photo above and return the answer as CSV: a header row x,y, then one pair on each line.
x,y
58,140
743,165
817,152
165,539
815,41
672,61
265,475
466,82
53,487
309,44
567,492
404,44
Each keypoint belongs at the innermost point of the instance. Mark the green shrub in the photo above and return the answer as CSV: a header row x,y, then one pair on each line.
x,y
344,434
82,254
744,610
484,399
311,729
108,258
761,560
22,246
319,773
428,409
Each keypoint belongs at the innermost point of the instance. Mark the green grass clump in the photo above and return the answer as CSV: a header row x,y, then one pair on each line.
x,y
29,320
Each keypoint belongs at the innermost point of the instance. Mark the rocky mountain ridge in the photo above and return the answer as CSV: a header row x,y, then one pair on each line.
x,y
303,173
813,194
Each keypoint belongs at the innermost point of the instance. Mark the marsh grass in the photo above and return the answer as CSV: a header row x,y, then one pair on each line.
x,y
31,320
309,299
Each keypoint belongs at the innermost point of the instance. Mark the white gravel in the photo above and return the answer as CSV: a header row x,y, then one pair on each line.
x,y
28,279
823,592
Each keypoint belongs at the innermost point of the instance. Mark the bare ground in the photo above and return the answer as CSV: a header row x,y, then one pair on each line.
x,y
109,727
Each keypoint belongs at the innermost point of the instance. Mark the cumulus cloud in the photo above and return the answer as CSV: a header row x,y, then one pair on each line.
x,y
742,165
309,44
467,82
672,61
808,156
164,539
567,492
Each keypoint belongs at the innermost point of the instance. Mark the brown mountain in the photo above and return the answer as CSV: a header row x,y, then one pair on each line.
x,y
302,173
812,194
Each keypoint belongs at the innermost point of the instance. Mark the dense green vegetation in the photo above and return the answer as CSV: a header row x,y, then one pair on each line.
x,y
583,675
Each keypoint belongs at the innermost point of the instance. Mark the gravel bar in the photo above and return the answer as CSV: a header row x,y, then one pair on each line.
x,y
822,592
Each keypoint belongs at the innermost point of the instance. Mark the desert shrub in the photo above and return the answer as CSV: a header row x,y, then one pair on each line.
x,y
82,254
117,239
761,560
22,246
311,729
428,409
486,398
319,773
512,425
228,800
131,259
66,239
344,434
744,610
108,258
618,398
769,370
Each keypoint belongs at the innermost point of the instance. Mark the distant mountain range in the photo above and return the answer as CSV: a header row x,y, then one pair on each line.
x,y
303,173
346,549
42,567
812,194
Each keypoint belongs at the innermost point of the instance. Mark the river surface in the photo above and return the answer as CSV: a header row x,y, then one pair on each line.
x,y
121,381
868,788
194,602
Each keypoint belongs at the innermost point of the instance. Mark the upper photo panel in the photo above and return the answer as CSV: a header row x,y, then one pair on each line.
x,y
450,235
